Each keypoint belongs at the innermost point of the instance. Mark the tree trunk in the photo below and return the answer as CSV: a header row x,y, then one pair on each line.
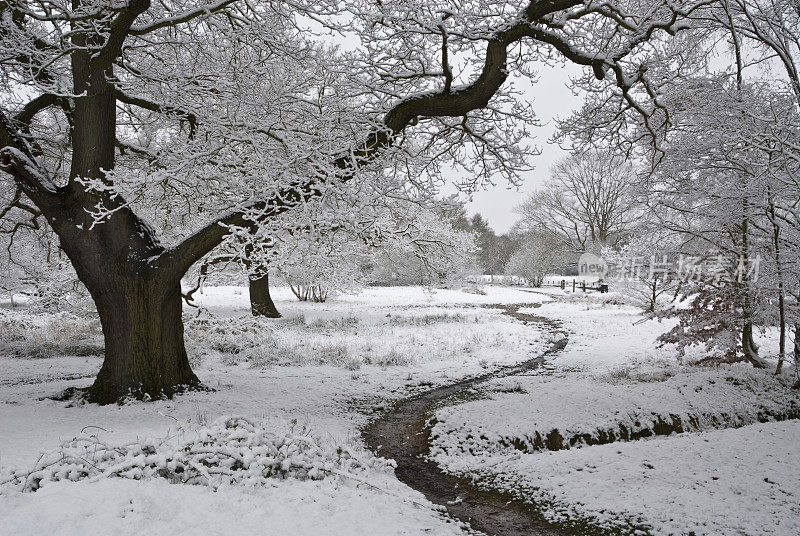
x,y
138,300
261,303
797,356
749,346
776,242
653,296
145,355
139,303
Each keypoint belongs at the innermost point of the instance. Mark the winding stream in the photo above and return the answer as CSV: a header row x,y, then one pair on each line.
x,y
401,434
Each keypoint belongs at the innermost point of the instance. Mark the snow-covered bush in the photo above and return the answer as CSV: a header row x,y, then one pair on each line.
x,y
232,451
429,250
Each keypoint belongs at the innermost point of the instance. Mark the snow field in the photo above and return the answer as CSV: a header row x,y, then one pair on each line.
x,y
323,368
611,381
741,481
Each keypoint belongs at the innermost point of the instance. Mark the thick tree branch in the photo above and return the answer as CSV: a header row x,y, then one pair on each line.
x,y
438,103
119,29
454,103
158,108
40,103
125,147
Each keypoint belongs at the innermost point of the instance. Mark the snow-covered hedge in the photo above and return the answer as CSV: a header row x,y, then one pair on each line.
x,y
232,451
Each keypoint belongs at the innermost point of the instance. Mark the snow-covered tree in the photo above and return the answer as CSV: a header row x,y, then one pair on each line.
x,y
321,262
645,268
589,200
540,254
715,187
424,248
225,114
769,33
727,140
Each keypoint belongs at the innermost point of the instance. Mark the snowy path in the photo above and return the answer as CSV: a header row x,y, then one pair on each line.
x,y
403,435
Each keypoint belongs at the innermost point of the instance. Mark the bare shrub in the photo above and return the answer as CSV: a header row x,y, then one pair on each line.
x,y
330,354
393,358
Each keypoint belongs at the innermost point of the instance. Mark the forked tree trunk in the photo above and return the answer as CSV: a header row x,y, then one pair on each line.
x,y
138,301
145,352
261,303
139,304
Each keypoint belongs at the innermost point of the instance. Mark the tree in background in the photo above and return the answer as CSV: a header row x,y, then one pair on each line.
x,y
33,266
316,266
426,248
588,202
493,251
539,254
642,269
730,152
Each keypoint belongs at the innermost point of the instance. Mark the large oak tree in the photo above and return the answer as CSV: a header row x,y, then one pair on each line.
x,y
88,88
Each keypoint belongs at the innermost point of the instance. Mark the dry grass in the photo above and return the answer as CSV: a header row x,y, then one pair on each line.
x,y
48,335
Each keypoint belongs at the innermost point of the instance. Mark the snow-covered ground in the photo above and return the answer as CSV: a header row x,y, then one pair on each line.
x,y
323,367
743,481
611,384
125,507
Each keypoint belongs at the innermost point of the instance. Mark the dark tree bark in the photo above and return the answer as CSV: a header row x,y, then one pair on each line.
x,y
138,300
261,303
139,305
145,353
797,355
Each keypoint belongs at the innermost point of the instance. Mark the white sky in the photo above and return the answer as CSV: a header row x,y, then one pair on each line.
x,y
551,98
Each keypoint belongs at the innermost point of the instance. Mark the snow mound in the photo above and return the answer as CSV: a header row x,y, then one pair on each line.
x,y
231,451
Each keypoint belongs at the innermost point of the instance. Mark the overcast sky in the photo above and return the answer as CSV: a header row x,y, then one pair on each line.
x,y
551,98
